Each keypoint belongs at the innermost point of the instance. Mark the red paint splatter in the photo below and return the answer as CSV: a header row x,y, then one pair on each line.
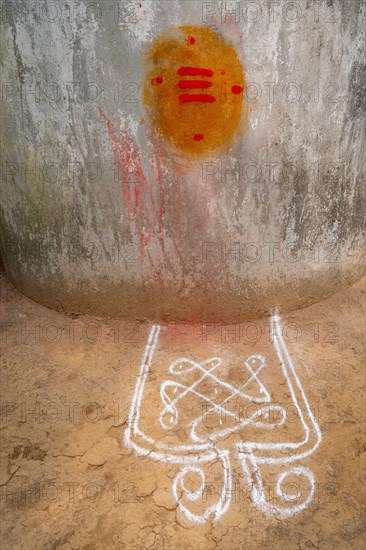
x,y
194,71
198,137
148,205
156,81
194,84
140,5
120,152
137,196
191,40
131,175
237,89
146,211
189,98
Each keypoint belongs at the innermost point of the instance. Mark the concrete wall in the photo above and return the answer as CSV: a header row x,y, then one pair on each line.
x,y
275,221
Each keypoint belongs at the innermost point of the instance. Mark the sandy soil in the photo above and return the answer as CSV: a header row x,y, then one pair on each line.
x,y
68,480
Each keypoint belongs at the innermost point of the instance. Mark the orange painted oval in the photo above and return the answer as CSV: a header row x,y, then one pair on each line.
x,y
193,89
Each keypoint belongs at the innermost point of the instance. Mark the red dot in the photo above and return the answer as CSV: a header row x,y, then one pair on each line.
x,y
157,80
191,40
223,71
198,137
237,89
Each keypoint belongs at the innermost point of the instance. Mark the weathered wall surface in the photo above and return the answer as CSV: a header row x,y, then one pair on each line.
x,y
99,216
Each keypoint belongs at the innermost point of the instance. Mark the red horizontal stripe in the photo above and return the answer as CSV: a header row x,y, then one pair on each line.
x,y
194,71
205,98
194,84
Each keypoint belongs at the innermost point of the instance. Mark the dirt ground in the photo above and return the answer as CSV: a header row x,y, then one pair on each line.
x,y
90,462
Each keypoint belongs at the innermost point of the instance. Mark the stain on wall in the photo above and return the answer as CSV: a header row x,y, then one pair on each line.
x,y
193,89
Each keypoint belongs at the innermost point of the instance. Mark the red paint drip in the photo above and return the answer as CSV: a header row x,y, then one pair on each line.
x,y
198,137
237,89
119,152
189,98
156,81
194,84
143,197
132,178
194,71
137,196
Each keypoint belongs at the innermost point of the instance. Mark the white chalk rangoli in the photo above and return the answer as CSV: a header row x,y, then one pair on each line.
x,y
190,392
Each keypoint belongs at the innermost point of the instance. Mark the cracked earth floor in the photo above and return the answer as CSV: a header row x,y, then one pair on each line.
x,y
68,480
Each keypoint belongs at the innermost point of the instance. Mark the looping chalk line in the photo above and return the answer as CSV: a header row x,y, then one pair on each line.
x,y
175,393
